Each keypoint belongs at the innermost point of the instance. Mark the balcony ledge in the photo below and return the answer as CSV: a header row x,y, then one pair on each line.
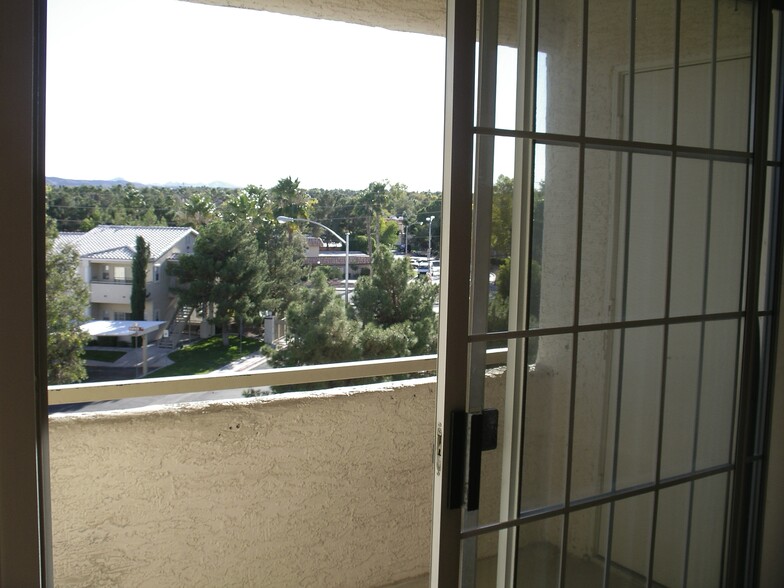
x,y
331,487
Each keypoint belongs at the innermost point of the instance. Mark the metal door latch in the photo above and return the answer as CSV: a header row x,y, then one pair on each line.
x,y
481,436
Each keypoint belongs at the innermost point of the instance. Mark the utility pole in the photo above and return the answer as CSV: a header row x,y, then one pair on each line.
x,y
429,239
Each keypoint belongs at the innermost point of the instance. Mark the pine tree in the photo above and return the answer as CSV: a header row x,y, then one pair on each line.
x,y
226,272
66,302
392,297
318,330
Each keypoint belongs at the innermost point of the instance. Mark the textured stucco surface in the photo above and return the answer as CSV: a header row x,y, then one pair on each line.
x,y
426,17
324,489
416,16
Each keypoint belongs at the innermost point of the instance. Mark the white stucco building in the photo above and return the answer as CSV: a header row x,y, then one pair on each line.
x,y
105,260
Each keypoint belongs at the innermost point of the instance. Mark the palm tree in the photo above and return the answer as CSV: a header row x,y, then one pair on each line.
x,y
197,210
250,205
373,203
288,199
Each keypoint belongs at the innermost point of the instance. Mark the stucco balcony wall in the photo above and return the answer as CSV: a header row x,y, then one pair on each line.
x,y
110,292
327,488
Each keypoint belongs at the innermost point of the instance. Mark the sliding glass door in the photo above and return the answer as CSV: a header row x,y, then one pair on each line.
x,y
608,201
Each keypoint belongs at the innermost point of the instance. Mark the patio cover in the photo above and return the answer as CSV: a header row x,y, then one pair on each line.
x,y
121,328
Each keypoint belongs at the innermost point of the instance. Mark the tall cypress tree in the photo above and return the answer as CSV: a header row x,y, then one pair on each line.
x,y
138,291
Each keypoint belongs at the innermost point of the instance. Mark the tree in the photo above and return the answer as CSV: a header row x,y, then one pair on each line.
x,y
139,278
282,248
67,299
498,309
388,234
372,203
395,313
500,241
501,231
288,199
410,205
248,205
379,342
335,208
226,272
197,210
285,255
392,296
318,330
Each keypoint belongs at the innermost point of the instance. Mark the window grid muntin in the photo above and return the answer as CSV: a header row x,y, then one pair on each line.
x,y
667,302
624,146
576,313
610,326
597,500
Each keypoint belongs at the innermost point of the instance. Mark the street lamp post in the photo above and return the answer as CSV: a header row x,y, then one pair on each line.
x,y
429,220
288,219
404,221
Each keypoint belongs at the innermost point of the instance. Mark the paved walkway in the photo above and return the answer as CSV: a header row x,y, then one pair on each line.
x,y
156,357
249,363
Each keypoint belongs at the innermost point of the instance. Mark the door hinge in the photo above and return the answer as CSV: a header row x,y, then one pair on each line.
x,y
439,448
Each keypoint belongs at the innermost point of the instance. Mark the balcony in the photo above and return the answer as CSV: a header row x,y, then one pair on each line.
x,y
327,488
110,291
333,487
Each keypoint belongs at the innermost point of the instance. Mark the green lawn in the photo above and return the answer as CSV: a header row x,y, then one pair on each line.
x,y
206,356
98,355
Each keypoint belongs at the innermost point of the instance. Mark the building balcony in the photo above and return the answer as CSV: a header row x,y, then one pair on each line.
x,y
110,291
326,488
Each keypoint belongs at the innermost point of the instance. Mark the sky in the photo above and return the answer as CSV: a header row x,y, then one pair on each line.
x,y
158,91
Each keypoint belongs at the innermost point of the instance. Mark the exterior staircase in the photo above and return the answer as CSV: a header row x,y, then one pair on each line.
x,y
176,327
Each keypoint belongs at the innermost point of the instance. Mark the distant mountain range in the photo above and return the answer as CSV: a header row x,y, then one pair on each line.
x,y
52,181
